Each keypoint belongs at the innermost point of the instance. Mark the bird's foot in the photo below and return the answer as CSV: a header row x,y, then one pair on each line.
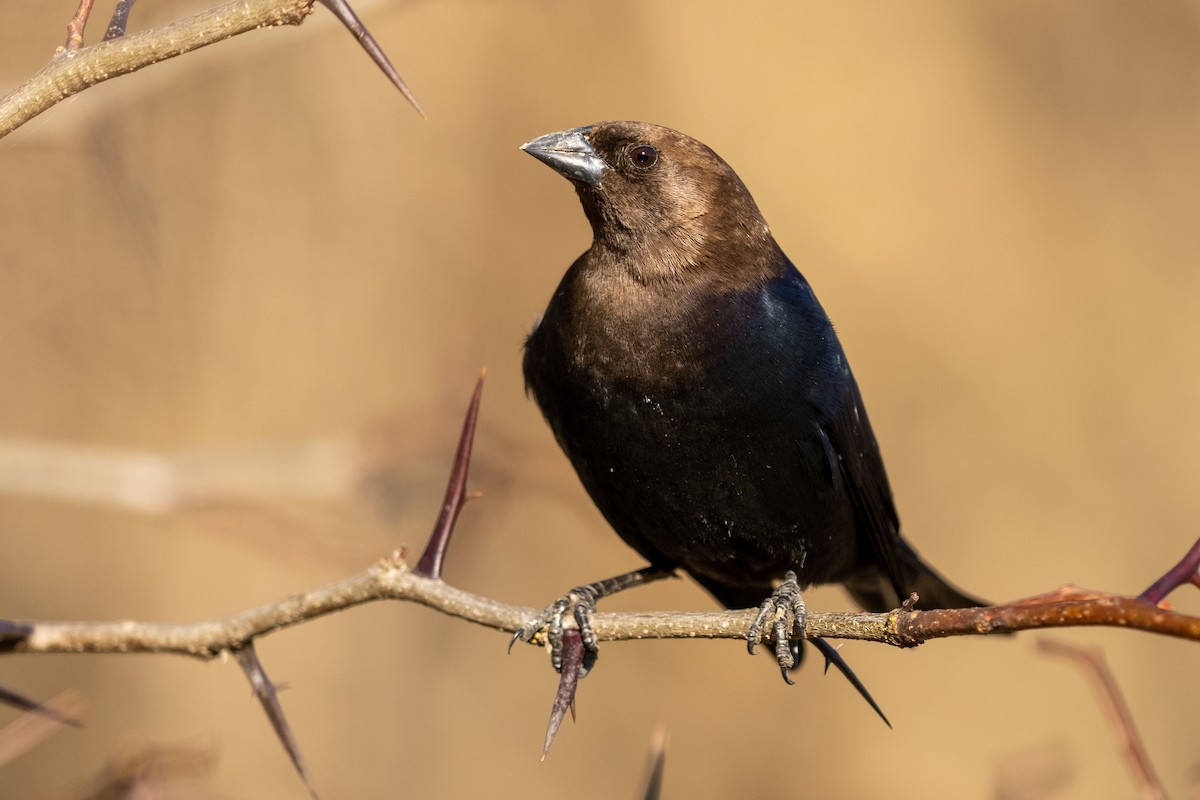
x,y
581,603
573,648
786,601
548,626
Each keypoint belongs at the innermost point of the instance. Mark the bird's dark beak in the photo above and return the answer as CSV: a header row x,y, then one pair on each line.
x,y
570,154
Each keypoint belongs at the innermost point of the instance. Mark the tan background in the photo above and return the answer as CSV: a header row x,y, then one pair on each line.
x,y
260,242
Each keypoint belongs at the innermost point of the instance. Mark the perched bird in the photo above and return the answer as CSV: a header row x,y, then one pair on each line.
x,y
698,388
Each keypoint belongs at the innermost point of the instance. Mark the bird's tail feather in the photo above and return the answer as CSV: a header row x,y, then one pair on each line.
x,y
874,592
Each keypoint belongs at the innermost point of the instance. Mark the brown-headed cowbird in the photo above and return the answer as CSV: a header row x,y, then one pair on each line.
x,y
698,388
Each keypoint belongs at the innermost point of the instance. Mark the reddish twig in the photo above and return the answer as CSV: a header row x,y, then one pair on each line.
x,y
1068,606
1186,571
77,24
1118,711
432,560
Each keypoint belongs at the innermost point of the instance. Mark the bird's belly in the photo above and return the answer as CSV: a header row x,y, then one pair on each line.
x,y
735,494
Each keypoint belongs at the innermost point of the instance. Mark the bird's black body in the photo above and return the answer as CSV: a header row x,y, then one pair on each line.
x,y
698,388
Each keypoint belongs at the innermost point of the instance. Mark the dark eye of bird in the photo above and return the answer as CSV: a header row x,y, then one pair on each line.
x,y
643,156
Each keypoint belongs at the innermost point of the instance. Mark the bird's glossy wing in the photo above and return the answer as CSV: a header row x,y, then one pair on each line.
x,y
860,466
845,432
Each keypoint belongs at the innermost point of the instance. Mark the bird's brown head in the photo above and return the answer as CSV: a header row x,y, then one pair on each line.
x,y
666,204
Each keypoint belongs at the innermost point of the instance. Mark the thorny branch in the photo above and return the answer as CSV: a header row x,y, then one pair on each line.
x,y
77,24
392,579
76,67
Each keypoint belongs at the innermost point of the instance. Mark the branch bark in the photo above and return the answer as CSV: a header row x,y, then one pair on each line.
x,y
72,71
391,579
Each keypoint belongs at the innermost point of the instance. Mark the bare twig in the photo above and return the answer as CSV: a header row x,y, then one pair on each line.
x,y
151,482
1118,710
391,579
77,24
77,68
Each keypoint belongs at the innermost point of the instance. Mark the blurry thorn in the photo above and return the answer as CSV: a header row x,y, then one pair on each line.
x,y
18,700
147,771
1092,659
268,697
13,632
120,18
342,10
658,756
432,560
1035,770
29,730
568,681
77,24
832,656
1186,571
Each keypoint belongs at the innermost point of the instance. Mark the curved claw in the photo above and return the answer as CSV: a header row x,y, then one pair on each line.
x,y
529,632
787,678
754,635
581,602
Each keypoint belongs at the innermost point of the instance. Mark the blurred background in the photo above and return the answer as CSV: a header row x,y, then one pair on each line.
x,y
244,296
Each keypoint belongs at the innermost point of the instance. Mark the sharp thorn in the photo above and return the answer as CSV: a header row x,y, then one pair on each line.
x,y
345,14
833,656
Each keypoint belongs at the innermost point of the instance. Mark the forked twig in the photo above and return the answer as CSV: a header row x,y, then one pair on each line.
x,y
1093,662
77,24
